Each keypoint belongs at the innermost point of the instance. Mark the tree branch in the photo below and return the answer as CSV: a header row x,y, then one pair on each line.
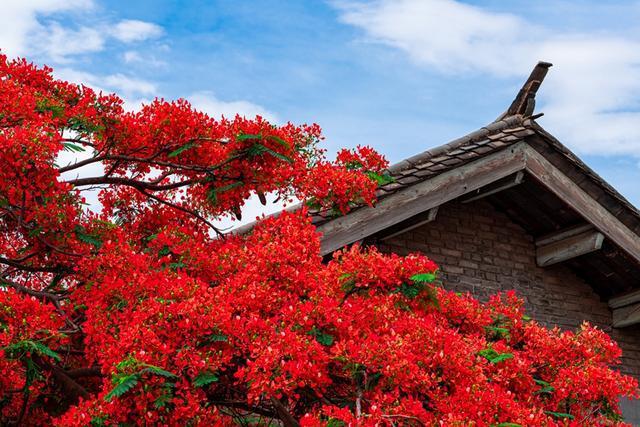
x,y
185,210
284,415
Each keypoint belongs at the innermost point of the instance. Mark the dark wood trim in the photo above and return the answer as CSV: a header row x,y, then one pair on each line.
x,y
626,316
592,211
496,187
408,224
568,247
420,197
625,299
563,234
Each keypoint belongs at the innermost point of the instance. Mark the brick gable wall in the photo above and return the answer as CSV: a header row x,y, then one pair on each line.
x,y
481,251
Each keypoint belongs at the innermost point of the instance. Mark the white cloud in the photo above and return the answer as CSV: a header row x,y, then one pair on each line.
x,y
590,96
58,43
130,85
19,25
132,30
132,90
131,56
148,60
27,28
440,33
208,103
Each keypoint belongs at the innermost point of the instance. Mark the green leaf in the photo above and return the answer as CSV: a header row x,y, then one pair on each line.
x,y
205,378
410,291
324,339
348,286
279,141
560,414
217,338
321,337
98,421
501,357
488,353
31,375
42,105
258,149
68,146
497,329
182,149
174,266
156,370
212,195
381,179
43,350
124,385
162,401
540,382
423,278
87,238
16,350
493,356
545,389
245,137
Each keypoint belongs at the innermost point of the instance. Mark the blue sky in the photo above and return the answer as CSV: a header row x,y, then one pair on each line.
x,y
401,76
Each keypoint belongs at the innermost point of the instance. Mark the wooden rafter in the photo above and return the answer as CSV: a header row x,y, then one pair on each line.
x,y
567,244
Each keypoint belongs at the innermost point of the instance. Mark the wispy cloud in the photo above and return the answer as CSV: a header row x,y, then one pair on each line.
x,y
19,24
132,30
28,28
590,96
215,107
134,91
59,43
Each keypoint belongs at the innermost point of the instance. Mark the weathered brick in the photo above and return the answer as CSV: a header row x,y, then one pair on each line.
x,y
481,251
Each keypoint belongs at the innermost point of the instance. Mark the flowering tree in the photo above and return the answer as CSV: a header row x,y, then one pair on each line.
x,y
146,314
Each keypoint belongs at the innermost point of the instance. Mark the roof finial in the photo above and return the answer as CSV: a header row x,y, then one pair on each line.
x,y
525,101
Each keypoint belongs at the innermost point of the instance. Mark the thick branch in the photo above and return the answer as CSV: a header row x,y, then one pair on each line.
x,y
93,371
244,406
30,268
65,381
43,295
140,185
284,415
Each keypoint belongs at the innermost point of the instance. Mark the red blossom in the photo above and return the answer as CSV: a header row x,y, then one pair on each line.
x,y
144,315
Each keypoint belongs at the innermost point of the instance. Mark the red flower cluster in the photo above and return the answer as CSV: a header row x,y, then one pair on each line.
x,y
140,315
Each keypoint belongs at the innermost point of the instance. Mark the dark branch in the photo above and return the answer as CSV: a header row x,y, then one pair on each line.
x,y
284,415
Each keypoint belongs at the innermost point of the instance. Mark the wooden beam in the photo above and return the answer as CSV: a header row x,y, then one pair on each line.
x,y
504,184
409,224
568,247
626,316
420,197
562,234
625,299
592,211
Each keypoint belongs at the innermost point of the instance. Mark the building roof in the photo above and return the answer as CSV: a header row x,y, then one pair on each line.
x,y
513,163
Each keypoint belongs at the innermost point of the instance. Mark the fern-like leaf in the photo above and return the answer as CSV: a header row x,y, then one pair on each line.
x,y
124,385
205,378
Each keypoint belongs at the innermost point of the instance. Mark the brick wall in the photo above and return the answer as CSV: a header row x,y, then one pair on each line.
x,y
481,251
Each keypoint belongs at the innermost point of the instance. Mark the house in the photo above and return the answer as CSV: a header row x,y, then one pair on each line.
x,y
509,207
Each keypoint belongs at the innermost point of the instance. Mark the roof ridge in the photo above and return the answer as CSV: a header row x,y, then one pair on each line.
x,y
477,135
520,110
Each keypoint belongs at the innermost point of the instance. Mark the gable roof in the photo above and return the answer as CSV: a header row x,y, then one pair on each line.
x,y
522,170
513,126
